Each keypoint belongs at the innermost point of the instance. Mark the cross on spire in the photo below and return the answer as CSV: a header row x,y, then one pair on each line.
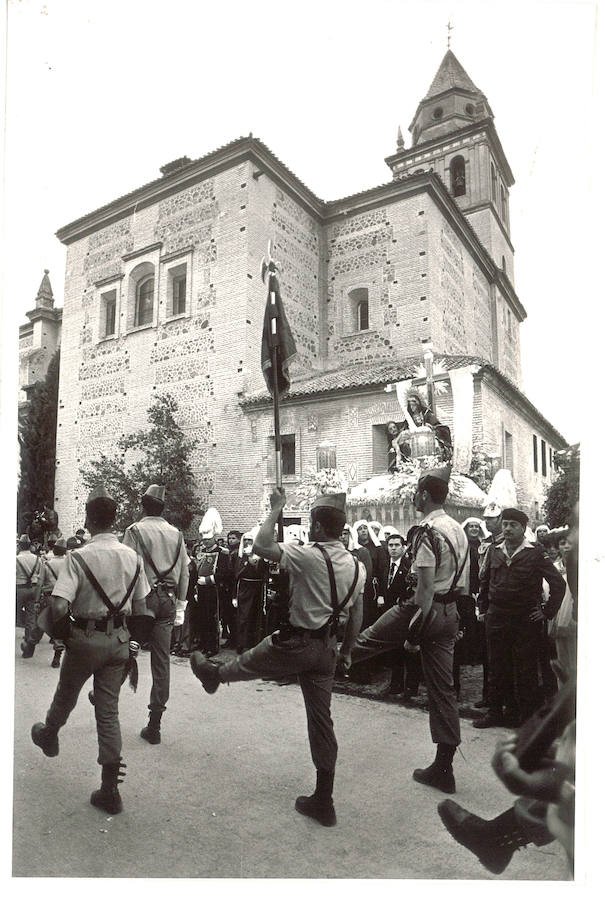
x,y
450,28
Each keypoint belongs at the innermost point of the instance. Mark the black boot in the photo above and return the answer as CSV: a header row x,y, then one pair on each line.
x,y
27,649
45,737
492,841
206,671
440,773
319,805
493,718
57,658
151,732
108,797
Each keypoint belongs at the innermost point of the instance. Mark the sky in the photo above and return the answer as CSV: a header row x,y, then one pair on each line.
x,y
100,94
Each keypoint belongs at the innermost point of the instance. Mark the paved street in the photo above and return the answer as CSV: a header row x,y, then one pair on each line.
x,y
216,798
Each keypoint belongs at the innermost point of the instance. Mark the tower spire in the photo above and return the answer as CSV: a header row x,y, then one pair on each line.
x,y
45,297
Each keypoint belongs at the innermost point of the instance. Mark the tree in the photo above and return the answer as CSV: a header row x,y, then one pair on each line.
x,y
37,447
161,456
563,493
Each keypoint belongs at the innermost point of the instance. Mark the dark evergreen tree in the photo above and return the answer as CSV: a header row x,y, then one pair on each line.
x,y
37,447
158,454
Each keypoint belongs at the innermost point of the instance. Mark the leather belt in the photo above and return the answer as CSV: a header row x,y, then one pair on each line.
x,y
315,633
100,624
444,598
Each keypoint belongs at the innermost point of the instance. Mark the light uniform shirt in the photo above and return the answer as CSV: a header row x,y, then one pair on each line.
x,y
310,600
444,573
114,566
51,571
28,565
162,539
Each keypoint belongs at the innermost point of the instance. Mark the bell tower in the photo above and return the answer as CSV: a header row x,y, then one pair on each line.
x,y
453,135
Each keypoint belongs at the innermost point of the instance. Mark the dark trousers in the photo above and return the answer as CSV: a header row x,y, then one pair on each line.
x,y
513,650
163,604
104,656
249,613
26,597
313,660
204,620
437,648
406,670
21,593
227,612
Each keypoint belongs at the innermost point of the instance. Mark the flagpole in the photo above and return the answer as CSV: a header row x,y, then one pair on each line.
x,y
276,425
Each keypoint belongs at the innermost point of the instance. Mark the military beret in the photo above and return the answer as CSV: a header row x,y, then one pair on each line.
x,y
514,515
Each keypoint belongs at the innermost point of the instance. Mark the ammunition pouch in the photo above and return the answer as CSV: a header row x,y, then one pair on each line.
x,y
161,601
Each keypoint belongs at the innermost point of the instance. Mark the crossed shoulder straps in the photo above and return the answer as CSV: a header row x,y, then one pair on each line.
x,y
336,607
99,589
161,576
29,575
458,569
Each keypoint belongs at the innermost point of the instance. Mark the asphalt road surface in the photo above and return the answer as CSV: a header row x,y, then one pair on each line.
x,y
216,798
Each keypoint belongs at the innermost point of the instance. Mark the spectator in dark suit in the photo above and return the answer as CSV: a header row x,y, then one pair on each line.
x,y
406,667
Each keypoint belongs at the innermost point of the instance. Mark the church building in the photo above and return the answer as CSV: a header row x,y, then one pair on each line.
x,y
163,295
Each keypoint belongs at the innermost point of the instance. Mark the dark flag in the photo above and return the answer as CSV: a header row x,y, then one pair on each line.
x,y
276,334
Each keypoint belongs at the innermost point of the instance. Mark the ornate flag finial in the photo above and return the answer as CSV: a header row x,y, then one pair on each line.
x,y
268,264
450,28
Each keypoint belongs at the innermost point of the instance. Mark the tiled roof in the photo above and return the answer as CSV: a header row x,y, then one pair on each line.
x,y
450,74
367,375
358,375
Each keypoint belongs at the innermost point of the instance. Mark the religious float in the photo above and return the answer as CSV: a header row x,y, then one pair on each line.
x,y
420,441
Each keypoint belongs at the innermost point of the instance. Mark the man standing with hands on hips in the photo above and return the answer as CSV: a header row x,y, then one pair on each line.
x,y
325,581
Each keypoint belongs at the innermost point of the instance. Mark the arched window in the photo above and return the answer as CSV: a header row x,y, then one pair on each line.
x,y
494,184
458,176
360,309
143,313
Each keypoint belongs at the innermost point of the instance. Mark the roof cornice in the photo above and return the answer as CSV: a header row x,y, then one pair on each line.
x,y
433,144
232,154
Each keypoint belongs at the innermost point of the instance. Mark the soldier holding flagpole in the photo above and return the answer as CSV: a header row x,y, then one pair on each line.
x,y
325,583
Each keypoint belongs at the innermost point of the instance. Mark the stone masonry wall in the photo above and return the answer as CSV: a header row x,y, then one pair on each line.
x,y
383,250
490,234
460,304
270,215
107,385
498,414
509,340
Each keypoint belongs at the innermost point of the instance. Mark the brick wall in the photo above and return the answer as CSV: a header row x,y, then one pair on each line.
x,y
460,304
490,234
106,385
498,414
